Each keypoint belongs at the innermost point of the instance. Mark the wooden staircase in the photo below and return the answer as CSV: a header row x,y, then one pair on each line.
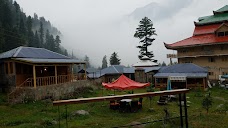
x,y
15,96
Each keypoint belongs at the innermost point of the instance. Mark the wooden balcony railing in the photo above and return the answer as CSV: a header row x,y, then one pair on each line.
x,y
50,80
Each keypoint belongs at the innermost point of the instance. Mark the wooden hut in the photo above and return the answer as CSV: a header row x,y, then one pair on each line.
x,y
181,76
32,67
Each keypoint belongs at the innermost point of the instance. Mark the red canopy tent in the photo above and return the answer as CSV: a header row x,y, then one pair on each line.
x,y
124,83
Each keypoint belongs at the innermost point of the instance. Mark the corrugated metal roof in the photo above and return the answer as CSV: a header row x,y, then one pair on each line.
x,y
198,40
113,69
95,75
214,19
188,75
9,54
149,69
129,70
30,52
223,9
37,60
206,29
183,68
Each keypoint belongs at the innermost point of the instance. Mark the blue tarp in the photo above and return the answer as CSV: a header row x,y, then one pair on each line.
x,y
224,76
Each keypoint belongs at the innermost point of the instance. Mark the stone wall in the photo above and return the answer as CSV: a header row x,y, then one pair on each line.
x,y
55,92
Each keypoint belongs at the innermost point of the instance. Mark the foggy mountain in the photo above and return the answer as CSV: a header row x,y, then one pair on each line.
x,y
157,11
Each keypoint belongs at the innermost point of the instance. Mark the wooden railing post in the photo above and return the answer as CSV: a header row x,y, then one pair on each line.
x,y
56,82
34,76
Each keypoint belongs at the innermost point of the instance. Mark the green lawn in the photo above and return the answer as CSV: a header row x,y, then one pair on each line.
x,y
42,114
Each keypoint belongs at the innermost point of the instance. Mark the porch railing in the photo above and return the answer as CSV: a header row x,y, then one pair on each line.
x,y
50,80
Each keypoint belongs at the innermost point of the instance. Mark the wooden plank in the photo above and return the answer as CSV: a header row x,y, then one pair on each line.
x,y
127,96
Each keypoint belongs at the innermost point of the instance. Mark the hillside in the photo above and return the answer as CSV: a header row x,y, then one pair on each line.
x,y
18,29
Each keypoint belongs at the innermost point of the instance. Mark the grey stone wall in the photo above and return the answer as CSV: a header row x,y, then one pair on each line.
x,y
55,92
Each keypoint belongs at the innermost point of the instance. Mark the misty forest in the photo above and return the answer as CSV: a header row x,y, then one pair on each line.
x,y
17,29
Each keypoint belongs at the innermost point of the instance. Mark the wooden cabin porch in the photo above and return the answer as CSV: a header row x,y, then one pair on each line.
x,y
33,75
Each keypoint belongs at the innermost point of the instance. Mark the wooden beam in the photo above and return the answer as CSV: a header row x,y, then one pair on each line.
x,y
56,82
14,68
127,96
8,64
34,76
85,71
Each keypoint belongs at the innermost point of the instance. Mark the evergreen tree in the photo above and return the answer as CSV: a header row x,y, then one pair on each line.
x,y
163,64
207,102
86,59
47,40
2,40
114,59
30,32
41,32
57,44
51,43
65,52
104,62
144,33
36,41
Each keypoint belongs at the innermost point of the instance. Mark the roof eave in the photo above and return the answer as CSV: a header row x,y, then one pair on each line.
x,y
169,47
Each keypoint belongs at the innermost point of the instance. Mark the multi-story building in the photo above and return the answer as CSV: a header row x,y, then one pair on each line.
x,y
208,46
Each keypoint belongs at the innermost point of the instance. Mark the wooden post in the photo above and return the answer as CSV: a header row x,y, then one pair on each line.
x,y
204,83
186,83
85,71
56,82
14,68
8,64
34,76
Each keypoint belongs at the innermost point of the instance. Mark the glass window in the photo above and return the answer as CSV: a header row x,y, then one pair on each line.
x,y
221,33
211,59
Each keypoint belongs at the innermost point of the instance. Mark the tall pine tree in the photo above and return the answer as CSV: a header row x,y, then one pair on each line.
x,y
144,32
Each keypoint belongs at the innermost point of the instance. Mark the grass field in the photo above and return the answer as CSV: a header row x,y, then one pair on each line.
x,y
41,114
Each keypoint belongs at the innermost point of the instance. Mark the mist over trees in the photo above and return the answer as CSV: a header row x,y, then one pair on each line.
x,y
104,62
17,29
144,32
86,59
114,59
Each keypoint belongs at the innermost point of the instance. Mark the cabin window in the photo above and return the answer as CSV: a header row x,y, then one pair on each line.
x,y
224,58
211,59
226,33
221,34
210,73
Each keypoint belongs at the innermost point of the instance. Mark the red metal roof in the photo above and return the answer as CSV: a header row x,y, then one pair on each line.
x,y
206,29
198,40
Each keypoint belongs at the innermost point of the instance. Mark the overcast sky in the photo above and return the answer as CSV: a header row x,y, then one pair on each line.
x,y
100,27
